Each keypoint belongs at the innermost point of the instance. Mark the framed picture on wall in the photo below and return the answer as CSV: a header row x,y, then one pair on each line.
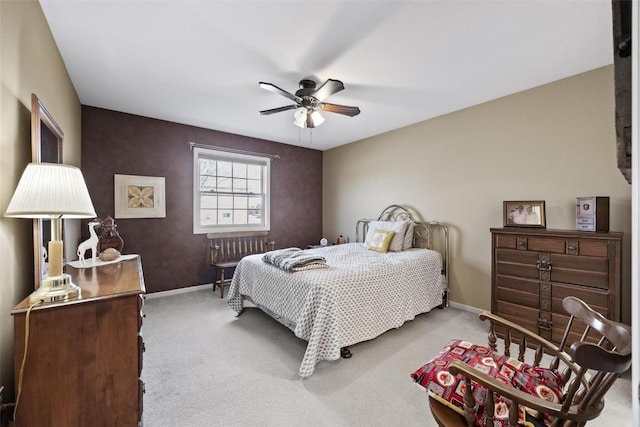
x,y
139,196
524,213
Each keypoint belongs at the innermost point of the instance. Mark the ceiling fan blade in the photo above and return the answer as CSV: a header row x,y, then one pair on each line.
x,y
340,109
278,110
275,89
327,89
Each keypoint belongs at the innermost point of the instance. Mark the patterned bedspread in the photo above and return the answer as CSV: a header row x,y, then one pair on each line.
x,y
360,295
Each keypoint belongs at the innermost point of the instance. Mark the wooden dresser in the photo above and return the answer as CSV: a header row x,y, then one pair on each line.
x,y
84,357
533,270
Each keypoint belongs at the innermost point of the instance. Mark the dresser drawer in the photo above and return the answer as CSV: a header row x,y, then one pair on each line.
x,y
547,244
516,263
516,257
572,245
597,299
141,350
141,391
517,290
530,243
577,270
505,241
140,311
591,248
524,316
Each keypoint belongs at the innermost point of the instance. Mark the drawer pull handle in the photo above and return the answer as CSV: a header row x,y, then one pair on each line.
x,y
545,324
543,266
572,247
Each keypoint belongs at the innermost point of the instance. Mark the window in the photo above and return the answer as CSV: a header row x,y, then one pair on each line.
x,y
230,191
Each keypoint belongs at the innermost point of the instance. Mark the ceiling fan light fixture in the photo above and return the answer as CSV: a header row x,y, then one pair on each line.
x,y
309,101
316,118
307,118
300,117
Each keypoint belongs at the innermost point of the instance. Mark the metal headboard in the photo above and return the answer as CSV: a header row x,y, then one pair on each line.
x,y
426,234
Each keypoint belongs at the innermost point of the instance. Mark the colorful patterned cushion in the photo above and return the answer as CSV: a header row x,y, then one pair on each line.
x,y
449,389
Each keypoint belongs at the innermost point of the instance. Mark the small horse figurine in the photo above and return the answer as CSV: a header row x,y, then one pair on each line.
x,y
90,243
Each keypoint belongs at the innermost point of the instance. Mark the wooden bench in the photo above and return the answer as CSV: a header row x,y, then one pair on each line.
x,y
227,249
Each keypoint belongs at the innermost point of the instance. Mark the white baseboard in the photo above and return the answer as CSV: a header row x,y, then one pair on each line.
x,y
178,291
465,307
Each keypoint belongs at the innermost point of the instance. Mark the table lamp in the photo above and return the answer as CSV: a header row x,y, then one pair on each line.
x,y
55,192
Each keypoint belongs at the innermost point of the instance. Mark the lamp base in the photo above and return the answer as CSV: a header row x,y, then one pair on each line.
x,y
54,289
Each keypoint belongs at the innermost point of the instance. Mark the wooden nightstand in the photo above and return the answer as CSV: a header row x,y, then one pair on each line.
x,y
84,357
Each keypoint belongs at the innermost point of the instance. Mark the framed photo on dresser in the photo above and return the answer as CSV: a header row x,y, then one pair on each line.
x,y
524,213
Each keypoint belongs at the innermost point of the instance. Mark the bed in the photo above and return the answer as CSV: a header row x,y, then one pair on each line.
x,y
358,294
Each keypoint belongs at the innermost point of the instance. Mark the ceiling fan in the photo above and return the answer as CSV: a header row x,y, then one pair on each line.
x,y
309,102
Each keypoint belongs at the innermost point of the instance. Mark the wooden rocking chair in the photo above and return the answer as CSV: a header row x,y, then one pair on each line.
x,y
585,369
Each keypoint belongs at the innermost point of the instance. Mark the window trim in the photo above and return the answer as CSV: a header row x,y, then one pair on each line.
x,y
198,228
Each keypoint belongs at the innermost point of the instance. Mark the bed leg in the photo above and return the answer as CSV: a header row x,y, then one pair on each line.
x,y
345,353
445,300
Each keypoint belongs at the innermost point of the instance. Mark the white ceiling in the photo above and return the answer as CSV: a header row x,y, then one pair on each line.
x,y
199,62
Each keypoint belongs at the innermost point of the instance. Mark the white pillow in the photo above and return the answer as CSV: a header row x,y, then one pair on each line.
x,y
399,229
408,237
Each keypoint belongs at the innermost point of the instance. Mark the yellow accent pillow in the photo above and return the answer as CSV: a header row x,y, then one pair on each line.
x,y
380,240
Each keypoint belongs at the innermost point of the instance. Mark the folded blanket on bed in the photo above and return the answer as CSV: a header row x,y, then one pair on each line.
x,y
294,259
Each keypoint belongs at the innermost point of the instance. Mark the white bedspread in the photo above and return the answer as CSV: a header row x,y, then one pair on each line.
x,y
359,296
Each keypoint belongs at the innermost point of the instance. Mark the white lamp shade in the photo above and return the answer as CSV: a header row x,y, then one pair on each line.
x,y
49,190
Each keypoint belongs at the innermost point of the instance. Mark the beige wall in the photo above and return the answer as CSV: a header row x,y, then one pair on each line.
x,y
29,63
551,143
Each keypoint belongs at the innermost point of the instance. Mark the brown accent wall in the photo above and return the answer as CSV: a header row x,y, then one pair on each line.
x,y
172,256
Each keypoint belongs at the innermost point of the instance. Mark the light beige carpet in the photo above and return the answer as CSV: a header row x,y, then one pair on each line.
x,y
205,367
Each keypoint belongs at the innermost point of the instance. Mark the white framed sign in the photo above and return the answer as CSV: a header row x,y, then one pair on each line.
x,y
139,196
